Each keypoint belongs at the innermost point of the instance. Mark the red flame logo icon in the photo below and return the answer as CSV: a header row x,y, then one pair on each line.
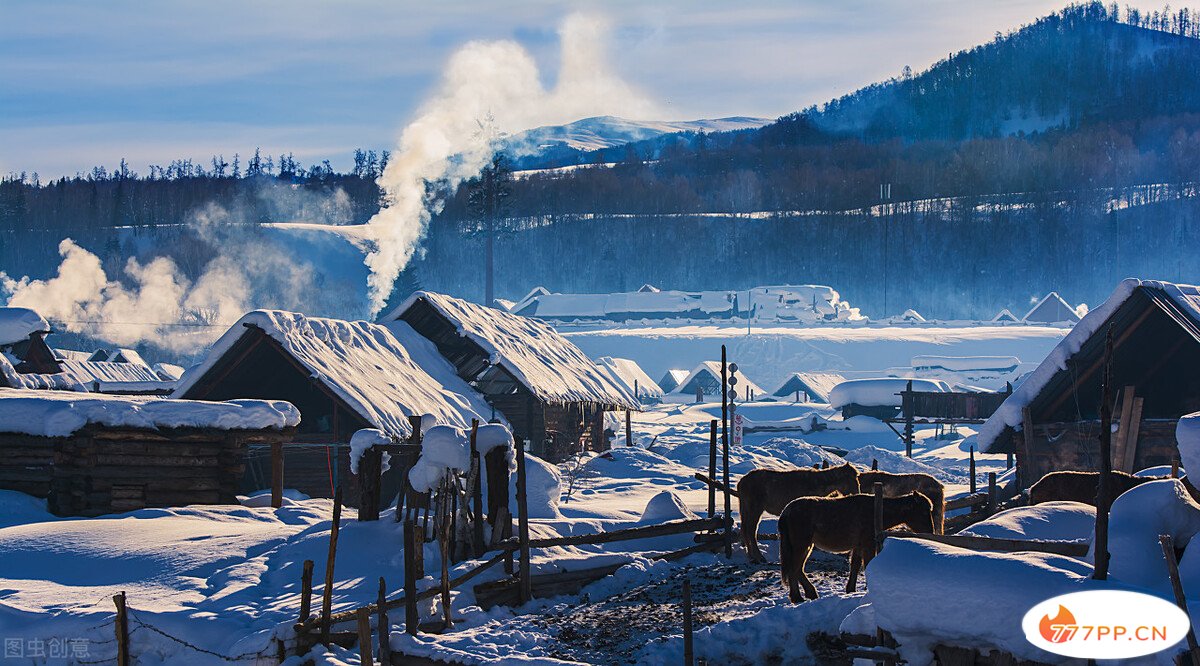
x,y
1057,629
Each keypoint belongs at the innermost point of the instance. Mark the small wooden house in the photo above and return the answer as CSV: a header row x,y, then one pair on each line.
x,y
90,454
549,391
705,380
1052,309
343,376
809,386
1052,420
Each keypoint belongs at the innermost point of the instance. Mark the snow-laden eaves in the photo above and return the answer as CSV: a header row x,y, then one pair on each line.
x,y
1187,297
536,355
631,375
382,373
17,324
60,413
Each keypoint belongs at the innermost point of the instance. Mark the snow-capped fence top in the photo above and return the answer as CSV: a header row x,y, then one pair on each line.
x,y
382,373
61,414
17,324
536,355
1185,297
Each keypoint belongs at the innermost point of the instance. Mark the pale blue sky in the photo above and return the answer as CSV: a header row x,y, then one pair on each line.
x,y
84,82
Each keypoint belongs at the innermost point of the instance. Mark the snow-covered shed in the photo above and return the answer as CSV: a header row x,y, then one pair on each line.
x,y
1051,420
90,454
706,379
18,326
809,386
878,397
1052,309
631,375
671,380
343,376
547,388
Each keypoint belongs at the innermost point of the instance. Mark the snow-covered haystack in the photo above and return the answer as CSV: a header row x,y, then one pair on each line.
x,y
897,463
880,392
927,593
1137,519
1049,521
666,506
17,324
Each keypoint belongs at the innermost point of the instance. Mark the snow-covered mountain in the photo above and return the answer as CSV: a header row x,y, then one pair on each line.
x,y
608,131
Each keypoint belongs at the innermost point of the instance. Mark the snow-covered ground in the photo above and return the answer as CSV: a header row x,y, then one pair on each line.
x,y
226,579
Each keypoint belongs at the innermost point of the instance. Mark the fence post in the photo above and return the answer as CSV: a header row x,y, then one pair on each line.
x,y
973,488
1168,549
122,629
874,464
628,427
725,451
877,490
712,467
993,493
385,626
327,596
688,654
364,636
907,402
477,545
276,474
411,619
1104,487
306,591
1175,466
525,583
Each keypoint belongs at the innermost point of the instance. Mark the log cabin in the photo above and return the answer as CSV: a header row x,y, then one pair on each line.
x,y
1051,421
551,393
90,455
343,376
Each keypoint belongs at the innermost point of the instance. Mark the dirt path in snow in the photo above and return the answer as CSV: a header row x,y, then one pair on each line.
x,y
616,629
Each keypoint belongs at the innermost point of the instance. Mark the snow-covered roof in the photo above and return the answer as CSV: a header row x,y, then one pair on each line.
x,y
10,378
880,392
70,354
17,324
59,413
86,372
911,315
126,355
966,363
1005,315
816,384
535,354
671,379
630,374
382,373
1052,309
1186,297
168,372
713,369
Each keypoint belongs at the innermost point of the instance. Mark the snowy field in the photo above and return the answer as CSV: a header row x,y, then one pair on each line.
x,y
768,355
226,579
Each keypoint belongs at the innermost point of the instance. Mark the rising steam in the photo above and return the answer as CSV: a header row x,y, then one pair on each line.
x,y
450,141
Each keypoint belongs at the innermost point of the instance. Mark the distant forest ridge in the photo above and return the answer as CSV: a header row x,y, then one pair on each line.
x,y
1084,99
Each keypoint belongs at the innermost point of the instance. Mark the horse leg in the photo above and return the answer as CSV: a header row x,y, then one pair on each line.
x,y
855,566
751,514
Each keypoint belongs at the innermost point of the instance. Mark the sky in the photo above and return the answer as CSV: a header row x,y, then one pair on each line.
x,y
85,83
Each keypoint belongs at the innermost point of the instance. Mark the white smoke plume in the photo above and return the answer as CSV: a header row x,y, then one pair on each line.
x,y
449,141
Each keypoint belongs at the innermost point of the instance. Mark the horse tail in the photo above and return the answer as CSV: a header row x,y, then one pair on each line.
x,y
787,556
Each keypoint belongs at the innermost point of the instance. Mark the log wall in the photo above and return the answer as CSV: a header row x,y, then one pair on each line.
x,y
1076,446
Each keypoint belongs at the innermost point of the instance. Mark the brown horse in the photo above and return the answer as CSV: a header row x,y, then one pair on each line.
x,y
1082,486
895,485
841,525
770,490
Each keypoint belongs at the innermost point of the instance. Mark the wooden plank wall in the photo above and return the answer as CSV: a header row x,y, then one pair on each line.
x,y
1075,446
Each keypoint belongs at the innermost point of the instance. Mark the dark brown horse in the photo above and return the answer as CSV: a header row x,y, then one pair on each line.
x,y
770,491
841,525
1082,486
895,485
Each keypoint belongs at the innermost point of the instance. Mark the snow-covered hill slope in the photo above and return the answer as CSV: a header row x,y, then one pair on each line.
x,y
608,131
